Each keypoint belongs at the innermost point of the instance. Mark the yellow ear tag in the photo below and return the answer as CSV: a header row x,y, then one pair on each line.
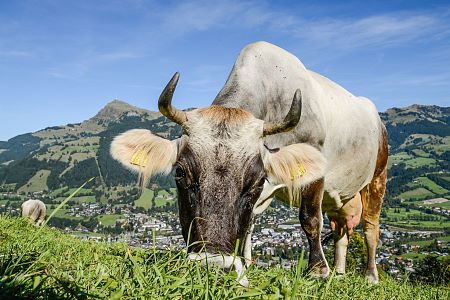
x,y
138,159
301,170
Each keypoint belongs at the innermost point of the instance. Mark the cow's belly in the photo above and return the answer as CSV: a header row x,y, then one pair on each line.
x,y
349,173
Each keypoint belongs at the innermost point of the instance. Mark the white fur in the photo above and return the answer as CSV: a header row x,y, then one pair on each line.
x,y
345,128
282,167
35,210
157,154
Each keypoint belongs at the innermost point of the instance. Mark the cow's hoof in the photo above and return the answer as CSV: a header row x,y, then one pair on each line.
x,y
320,272
372,277
243,280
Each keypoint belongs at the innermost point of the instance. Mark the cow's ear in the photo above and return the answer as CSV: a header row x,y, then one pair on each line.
x,y
141,151
296,166
266,197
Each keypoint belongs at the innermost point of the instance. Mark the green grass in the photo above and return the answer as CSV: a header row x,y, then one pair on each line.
x,y
418,193
428,242
82,191
84,199
398,158
45,263
36,183
419,162
421,153
407,219
442,147
162,198
432,186
63,213
58,192
145,200
445,205
109,220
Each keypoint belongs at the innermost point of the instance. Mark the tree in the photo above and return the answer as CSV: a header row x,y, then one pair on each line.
x,y
433,270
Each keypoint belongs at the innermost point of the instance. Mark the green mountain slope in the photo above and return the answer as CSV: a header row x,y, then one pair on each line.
x,y
419,140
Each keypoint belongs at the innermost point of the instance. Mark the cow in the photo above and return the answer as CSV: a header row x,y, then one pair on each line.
x,y
34,210
275,130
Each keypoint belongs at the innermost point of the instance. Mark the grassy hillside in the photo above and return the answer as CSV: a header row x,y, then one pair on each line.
x,y
45,263
419,149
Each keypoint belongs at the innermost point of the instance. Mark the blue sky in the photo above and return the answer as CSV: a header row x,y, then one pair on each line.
x,y
62,61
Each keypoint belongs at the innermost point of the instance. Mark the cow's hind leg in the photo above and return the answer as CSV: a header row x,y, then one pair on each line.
x,y
311,221
372,198
340,250
342,223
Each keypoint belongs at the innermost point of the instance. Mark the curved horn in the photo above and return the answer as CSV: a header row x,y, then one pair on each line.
x,y
165,102
291,119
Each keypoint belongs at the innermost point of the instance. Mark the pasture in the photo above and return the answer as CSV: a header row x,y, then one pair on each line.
x,y
414,219
31,266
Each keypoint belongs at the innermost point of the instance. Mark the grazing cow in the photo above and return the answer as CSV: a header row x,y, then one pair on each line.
x,y
35,210
275,130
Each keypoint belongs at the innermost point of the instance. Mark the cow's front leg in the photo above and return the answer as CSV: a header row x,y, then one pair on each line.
x,y
311,221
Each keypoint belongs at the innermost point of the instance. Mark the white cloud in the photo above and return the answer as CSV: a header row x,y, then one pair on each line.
x,y
377,30
371,31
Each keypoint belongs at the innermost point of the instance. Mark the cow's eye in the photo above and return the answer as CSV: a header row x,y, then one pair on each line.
x,y
179,172
262,181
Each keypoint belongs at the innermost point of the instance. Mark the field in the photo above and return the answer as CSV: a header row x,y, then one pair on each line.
x,y
36,183
431,185
148,197
145,200
413,218
109,220
428,242
418,193
31,266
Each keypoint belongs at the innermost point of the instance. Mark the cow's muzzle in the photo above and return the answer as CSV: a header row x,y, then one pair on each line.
x,y
223,261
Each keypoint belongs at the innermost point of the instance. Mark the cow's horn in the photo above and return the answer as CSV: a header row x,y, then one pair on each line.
x,y
165,102
291,119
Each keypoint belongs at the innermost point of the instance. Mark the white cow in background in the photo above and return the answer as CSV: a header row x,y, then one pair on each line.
x,y
34,209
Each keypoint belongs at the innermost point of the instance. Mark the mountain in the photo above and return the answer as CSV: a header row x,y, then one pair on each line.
x,y
68,155
419,140
419,146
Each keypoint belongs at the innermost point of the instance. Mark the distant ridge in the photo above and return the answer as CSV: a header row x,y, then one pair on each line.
x,y
416,112
117,108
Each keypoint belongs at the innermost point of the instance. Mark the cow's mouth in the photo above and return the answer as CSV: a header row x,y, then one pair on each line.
x,y
226,262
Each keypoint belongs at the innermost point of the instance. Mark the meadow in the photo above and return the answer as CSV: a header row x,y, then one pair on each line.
x,y
46,263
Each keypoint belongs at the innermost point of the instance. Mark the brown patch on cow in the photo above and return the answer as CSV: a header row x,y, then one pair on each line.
x,y
229,115
372,199
383,153
372,195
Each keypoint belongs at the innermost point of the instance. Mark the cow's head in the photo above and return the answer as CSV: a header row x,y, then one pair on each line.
x,y
223,171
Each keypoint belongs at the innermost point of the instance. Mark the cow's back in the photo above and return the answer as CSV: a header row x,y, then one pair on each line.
x,y
345,128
